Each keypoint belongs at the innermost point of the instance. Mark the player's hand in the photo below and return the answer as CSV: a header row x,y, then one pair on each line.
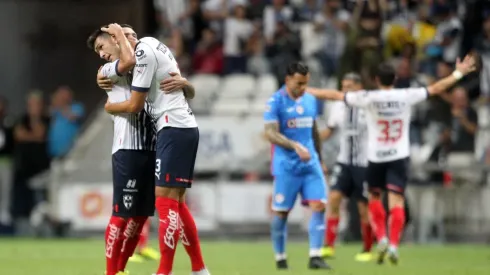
x,y
113,29
466,66
302,152
174,83
103,82
107,106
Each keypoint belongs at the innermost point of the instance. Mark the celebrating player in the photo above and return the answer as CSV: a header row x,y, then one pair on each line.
x,y
349,173
296,165
176,146
388,113
133,154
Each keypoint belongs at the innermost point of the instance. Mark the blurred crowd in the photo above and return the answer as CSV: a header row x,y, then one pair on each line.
x,y
29,143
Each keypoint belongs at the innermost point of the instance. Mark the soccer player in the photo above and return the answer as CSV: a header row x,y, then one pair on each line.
x,y
348,178
133,155
296,165
388,113
176,147
143,251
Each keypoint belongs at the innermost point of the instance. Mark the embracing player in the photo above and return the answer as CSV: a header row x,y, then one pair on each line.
x,y
296,165
176,146
388,112
133,154
348,175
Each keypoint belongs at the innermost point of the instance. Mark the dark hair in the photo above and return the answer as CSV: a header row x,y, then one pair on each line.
x,y
297,68
352,76
386,74
98,32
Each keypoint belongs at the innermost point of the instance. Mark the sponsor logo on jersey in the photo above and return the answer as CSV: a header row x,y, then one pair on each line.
x,y
139,53
386,153
172,219
301,122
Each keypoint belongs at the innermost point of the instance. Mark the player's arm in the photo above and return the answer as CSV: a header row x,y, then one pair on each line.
x,y
463,68
326,94
140,86
176,83
127,60
271,131
326,134
317,139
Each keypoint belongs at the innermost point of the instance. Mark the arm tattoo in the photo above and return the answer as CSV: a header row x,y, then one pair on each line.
x,y
275,137
318,141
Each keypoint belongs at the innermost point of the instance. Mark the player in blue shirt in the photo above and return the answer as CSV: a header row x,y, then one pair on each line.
x,y
296,165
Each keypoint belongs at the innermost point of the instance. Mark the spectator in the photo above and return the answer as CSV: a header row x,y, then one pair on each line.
x,y
171,15
66,121
237,31
176,45
482,46
463,123
257,62
405,76
449,33
214,12
6,150
440,105
273,14
208,58
332,22
195,13
308,10
30,155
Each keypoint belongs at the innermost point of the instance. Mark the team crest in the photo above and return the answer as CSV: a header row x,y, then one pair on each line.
x,y
300,110
279,198
128,201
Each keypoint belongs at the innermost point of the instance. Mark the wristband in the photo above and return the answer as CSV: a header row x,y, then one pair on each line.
x,y
457,74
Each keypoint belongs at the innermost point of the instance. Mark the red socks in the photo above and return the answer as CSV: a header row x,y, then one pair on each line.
x,y
331,232
377,216
397,221
131,239
145,233
190,238
114,240
367,236
168,232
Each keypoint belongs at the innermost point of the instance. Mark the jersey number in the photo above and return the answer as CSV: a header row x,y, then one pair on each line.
x,y
391,130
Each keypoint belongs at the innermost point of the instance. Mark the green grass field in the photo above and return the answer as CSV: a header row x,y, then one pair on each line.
x,y
86,257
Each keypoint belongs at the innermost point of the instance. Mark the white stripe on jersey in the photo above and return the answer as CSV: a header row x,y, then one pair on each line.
x,y
388,114
351,124
131,131
154,62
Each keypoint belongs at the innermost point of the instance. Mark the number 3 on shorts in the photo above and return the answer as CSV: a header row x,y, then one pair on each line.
x,y
157,168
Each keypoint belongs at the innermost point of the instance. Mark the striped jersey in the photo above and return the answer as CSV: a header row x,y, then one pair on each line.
x,y
154,62
350,122
131,131
388,114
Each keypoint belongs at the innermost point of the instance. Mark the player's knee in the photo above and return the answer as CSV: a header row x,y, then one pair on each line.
x,y
395,200
176,193
317,206
363,211
374,194
281,214
334,199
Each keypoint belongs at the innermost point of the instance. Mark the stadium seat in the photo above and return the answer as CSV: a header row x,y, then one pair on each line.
x,y
233,107
266,86
237,86
206,86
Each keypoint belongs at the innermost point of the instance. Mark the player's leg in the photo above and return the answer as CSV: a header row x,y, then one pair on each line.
x,y
190,239
314,190
137,256
376,179
285,190
396,183
341,181
360,193
139,200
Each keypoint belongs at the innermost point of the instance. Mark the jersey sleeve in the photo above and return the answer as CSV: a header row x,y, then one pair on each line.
x,y
144,70
357,99
109,70
416,95
271,113
333,116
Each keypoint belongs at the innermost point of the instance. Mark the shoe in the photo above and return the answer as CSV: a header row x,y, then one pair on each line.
x,y
364,257
150,253
382,249
123,273
136,258
327,252
202,272
393,255
318,263
282,264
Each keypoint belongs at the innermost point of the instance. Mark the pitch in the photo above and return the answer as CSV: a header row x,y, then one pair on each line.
x,y
85,257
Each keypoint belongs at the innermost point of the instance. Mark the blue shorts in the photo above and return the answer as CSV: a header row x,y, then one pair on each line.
x,y
133,183
312,187
176,151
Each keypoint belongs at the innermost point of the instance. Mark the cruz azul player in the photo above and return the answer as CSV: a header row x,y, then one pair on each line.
x,y
296,165
348,175
176,147
133,155
388,112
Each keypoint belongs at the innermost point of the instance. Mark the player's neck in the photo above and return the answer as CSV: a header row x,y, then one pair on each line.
x,y
291,95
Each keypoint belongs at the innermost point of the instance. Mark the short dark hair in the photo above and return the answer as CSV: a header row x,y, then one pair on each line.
x,y
297,68
386,74
98,32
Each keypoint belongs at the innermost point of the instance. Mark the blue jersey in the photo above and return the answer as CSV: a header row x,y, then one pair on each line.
x,y
296,120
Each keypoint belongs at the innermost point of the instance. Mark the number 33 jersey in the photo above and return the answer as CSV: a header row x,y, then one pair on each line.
x,y
388,114
154,63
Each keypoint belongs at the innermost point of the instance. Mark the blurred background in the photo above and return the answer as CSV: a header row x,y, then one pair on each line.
x,y
55,138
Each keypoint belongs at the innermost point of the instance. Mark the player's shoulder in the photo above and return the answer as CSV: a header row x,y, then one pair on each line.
x,y
274,98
